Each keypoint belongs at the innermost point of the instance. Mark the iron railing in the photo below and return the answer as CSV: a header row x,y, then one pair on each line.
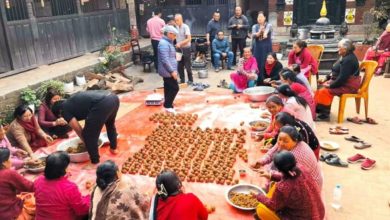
x,y
15,10
95,5
48,8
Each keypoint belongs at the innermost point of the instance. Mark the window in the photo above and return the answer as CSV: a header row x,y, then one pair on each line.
x,y
47,8
217,2
15,10
95,5
193,2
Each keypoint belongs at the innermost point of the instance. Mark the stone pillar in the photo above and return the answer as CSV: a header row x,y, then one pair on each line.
x,y
132,14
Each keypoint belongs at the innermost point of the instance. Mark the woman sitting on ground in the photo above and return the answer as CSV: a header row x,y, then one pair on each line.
x,y
271,71
289,139
302,56
24,131
295,196
19,157
56,197
274,105
171,203
288,77
344,79
11,183
296,105
56,127
307,134
111,191
246,74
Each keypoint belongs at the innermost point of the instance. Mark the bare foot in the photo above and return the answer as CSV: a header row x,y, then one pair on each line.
x,y
114,151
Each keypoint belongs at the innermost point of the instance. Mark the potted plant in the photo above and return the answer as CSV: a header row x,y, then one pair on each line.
x,y
109,60
80,80
54,84
29,97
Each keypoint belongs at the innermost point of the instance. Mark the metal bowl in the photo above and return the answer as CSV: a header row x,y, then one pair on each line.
x,y
259,93
256,128
79,157
242,188
36,170
202,74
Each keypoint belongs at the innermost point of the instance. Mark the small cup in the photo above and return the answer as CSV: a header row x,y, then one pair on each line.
x,y
242,173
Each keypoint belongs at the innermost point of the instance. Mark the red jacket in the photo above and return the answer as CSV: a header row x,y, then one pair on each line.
x,y
59,199
306,59
182,206
12,183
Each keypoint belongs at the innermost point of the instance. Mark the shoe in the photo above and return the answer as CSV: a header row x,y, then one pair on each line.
x,y
190,83
361,145
230,68
368,164
323,117
199,88
216,70
356,158
170,110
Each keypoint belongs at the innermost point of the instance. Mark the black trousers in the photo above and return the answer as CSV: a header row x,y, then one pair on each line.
x,y
185,62
211,50
102,113
171,88
155,53
238,43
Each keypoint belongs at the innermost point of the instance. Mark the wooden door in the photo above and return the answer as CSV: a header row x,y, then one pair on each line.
x,y
5,64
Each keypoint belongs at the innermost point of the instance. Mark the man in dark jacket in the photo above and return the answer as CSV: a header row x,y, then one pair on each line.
x,y
213,27
221,49
239,26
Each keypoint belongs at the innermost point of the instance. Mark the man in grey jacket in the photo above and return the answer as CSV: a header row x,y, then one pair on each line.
x,y
239,26
167,66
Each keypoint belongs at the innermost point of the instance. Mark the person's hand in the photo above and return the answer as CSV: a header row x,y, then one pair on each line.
x,y
174,75
89,185
265,174
265,115
380,51
48,139
32,162
21,153
256,165
239,26
208,42
63,121
259,137
224,54
253,193
268,80
177,45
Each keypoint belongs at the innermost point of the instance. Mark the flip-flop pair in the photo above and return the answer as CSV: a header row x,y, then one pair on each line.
x,y
359,121
360,144
333,160
338,130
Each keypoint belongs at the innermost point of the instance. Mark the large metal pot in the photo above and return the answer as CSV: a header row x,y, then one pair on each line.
x,y
78,157
259,93
202,74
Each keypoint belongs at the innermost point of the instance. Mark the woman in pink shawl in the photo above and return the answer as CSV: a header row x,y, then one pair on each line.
x,y
381,50
246,74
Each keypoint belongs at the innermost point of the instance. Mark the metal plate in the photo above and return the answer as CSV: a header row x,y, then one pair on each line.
x,y
242,188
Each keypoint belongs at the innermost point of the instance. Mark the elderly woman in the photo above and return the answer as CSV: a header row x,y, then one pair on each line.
x,y
289,139
56,197
302,56
261,33
381,50
112,189
344,78
24,132
172,203
11,183
295,196
56,127
307,134
246,73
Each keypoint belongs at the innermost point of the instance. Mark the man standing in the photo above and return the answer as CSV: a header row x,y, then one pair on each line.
x,y
154,26
220,50
239,26
213,27
97,108
167,66
183,45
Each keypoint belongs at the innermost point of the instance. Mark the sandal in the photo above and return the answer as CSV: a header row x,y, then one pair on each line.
x,y
370,121
355,120
336,161
362,145
338,131
339,128
326,156
353,139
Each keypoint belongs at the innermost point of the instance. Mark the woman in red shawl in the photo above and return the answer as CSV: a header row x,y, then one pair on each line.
x,y
271,71
25,132
246,74
170,203
302,56
381,50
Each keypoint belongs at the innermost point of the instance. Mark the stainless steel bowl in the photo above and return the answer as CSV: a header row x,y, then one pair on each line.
x,y
259,93
202,74
80,157
242,188
36,170
254,128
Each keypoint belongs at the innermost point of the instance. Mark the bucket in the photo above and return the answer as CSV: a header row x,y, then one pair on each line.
x,y
68,87
202,74
179,55
80,80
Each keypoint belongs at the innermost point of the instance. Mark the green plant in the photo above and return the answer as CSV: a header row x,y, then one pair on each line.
x,y
54,84
7,115
29,97
109,60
